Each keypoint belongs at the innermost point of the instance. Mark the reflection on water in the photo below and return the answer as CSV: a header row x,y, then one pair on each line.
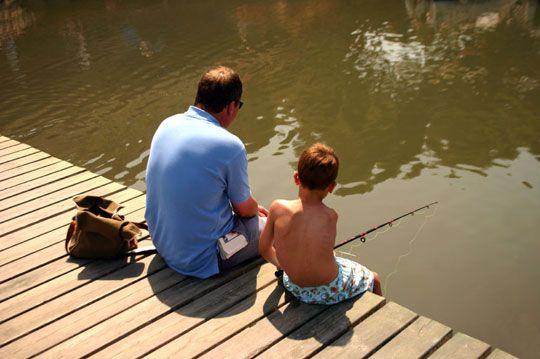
x,y
423,100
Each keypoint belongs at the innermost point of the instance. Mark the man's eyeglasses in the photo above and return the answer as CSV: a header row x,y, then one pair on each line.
x,y
240,104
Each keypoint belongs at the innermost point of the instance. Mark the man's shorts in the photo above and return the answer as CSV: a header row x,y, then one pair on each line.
x,y
353,279
251,228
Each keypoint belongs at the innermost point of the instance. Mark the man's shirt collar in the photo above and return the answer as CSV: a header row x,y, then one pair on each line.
x,y
200,114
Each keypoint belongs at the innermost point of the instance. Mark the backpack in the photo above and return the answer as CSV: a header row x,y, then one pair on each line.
x,y
98,232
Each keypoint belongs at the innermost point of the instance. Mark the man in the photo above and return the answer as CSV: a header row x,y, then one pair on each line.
x,y
197,176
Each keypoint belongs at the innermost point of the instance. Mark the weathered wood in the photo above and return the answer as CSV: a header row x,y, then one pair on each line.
x,y
255,339
48,194
33,175
70,302
8,143
216,330
418,340
192,314
44,180
84,315
499,354
132,199
18,282
56,221
29,167
41,266
42,214
367,337
18,154
12,149
142,314
7,166
32,298
462,346
325,328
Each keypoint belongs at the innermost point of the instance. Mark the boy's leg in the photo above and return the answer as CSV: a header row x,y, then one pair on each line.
x,y
377,284
251,228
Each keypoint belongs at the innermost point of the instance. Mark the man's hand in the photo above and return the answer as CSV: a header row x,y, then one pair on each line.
x,y
263,212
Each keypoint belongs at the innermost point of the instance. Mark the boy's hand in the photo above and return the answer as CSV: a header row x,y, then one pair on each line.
x,y
263,212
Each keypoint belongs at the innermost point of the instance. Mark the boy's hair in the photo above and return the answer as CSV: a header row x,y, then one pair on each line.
x,y
318,167
217,88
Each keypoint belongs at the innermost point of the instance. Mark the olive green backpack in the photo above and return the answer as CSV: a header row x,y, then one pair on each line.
x,y
97,231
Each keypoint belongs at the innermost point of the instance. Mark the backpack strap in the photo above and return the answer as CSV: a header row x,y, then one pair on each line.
x,y
70,231
142,250
141,225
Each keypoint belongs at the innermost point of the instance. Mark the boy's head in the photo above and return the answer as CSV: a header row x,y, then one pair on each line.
x,y
317,168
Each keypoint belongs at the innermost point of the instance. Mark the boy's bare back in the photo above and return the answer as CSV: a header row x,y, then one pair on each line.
x,y
304,238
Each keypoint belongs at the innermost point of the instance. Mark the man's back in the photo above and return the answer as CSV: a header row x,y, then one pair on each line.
x,y
304,240
195,169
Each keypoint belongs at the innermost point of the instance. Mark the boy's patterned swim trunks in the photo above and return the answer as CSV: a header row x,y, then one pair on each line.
x,y
352,279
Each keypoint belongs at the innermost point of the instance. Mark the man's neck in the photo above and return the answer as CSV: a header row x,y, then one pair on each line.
x,y
217,116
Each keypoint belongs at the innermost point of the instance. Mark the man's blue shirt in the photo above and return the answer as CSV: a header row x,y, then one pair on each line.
x,y
196,169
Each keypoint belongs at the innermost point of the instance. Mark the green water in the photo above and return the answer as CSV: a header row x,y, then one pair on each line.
x,y
422,101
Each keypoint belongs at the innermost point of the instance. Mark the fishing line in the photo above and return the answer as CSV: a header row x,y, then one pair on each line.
x,y
387,279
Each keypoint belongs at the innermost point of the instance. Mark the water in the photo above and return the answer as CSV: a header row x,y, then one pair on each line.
x,y
422,101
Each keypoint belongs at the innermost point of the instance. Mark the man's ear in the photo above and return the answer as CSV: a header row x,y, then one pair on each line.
x,y
296,178
331,186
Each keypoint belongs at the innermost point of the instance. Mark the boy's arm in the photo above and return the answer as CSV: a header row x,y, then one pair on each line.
x,y
266,242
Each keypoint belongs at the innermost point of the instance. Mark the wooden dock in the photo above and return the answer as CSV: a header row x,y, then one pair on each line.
x,y
53,306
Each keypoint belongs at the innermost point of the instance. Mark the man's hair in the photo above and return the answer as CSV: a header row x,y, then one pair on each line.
x,y
217,88
318,167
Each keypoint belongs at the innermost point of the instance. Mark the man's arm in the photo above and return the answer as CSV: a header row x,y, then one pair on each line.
x,y
266,242
248,208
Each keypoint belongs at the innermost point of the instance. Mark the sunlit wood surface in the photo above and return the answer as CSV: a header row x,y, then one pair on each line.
x,y
54,306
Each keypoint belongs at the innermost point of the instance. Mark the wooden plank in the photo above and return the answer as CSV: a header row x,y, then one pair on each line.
x,y
136,317
325,328
30,299
371,334
255,339
195,313
29,167
4,139
133,201
45,250
8,143
61,220
71,314
25,189
19,154
8,166
15,281
33,175
213,332
116,284
418,340
12,149
462,346
48,194
499,354
29,219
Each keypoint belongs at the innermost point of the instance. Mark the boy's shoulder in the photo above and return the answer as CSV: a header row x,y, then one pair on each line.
x,y
282,206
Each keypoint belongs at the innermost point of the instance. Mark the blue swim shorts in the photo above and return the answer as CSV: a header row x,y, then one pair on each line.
x,y
353,279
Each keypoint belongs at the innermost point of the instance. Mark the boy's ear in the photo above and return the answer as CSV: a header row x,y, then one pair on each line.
x,y
296,178
332,186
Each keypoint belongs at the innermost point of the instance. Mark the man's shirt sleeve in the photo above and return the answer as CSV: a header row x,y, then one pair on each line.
x,y
237,179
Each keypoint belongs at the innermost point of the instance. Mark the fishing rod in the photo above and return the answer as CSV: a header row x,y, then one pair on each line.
x,y
363,235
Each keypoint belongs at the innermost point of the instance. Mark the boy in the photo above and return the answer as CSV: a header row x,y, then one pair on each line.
x,y
300,237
